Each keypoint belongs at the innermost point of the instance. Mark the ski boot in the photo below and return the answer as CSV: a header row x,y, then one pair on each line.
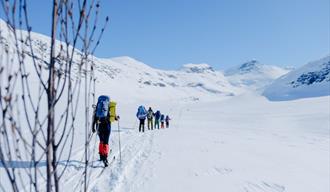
x,y
106,162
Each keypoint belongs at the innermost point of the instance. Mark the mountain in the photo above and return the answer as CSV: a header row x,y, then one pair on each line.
x,y
254,75
197,68
131,77
310,80
125,77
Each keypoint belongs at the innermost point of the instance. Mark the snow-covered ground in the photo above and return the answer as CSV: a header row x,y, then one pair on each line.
x,y
244,143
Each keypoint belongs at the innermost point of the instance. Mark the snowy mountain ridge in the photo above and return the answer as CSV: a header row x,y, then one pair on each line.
x,y
246,67
310,80
127,76
197,68
254,66
254,75
192,83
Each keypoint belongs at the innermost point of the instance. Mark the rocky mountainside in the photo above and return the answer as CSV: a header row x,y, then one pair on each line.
x,y
310,80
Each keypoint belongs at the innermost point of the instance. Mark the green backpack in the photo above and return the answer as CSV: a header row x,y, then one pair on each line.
x,y
150,114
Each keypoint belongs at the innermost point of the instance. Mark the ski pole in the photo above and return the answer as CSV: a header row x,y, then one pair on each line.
x,y
90,136
119,142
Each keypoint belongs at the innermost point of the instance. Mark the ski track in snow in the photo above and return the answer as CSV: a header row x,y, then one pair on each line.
x,y
243,164
231,151
121,176
134,154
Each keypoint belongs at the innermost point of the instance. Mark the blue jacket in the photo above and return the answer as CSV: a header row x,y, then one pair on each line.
x,y
162,117
157,115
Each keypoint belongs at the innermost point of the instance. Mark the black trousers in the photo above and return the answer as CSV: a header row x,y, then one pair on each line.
x,y
141,126
104,131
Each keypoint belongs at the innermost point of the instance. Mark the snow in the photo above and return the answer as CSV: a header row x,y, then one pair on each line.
x,y
223,136
310,80
244,143
146,83
254,75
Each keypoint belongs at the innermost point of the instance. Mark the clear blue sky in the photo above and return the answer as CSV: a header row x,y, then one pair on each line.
x,y
169,33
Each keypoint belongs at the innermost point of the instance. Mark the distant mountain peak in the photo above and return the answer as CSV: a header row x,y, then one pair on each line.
x,y
250,66
254,67
254,74
124,59
130,61
197,68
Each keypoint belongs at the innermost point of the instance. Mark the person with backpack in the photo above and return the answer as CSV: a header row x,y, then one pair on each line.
x,y
167,121
157,118
162,120
150,117
104,114
141,115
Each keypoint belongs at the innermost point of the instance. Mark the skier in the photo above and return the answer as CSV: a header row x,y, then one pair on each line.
x,y
150,119
157,117
141,115
162,119
104,115
167,121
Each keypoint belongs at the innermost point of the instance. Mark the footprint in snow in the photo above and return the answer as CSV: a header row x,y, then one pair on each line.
x,y
218,171
263,187
223,171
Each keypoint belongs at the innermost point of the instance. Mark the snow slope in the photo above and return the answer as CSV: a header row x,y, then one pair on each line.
x,y
254,75
147,83
192,82
310,80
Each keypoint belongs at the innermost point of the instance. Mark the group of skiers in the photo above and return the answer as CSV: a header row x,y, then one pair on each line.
x,y
142,114
105,113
